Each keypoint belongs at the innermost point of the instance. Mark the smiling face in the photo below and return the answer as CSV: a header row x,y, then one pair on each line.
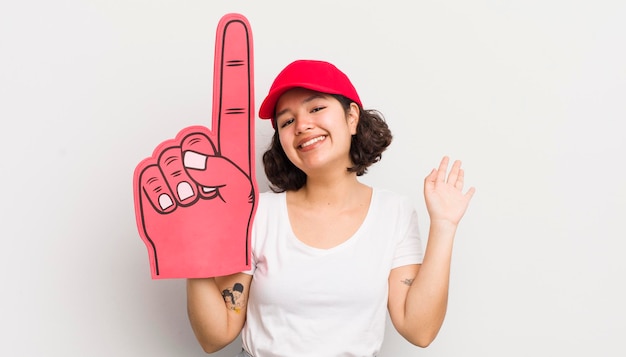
x,y
315,131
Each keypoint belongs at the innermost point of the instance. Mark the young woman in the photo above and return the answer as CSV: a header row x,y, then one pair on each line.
x,y
330,254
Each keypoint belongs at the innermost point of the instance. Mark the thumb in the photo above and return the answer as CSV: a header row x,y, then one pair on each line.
x,y
430,179
215,172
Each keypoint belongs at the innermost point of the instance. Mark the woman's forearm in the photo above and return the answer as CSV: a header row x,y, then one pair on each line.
x,y
213,316
207,313
427,298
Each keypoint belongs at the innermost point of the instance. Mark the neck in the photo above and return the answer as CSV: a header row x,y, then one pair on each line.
x,y
337,191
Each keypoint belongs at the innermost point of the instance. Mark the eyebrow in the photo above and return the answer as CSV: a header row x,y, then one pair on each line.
x,y
306,100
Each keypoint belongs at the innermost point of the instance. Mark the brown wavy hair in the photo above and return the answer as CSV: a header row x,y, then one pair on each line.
x,y
371,139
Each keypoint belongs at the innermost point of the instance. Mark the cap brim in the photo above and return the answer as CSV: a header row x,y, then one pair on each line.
x,y
268,106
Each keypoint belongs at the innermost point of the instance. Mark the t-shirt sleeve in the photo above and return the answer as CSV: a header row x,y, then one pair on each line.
x,y
409,247
259,225
251,271
253,238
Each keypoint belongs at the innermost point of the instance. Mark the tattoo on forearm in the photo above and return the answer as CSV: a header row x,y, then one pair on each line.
x,y
408,282
234,298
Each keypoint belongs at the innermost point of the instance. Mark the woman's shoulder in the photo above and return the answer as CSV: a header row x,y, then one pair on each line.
x,y
271,196
270,200
386,202
388,196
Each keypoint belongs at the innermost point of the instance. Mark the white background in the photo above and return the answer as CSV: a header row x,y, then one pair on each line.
x,y
529,94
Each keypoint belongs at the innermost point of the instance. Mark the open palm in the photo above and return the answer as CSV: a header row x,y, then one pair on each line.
x,y
445,200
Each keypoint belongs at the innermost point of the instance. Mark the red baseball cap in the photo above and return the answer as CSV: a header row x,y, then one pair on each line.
x,y
319,76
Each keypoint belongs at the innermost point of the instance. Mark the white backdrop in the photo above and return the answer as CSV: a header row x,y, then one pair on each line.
x,y
529,94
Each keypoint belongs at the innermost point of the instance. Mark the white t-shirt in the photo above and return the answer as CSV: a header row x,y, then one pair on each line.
x,y
306,301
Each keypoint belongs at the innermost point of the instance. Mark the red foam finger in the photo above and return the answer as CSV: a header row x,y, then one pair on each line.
x,y
195,197
233,91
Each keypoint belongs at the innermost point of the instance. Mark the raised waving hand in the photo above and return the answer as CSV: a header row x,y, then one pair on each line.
x,y
195,197
445,200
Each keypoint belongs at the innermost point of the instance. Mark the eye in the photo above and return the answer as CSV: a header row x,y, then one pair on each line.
x,y
286,122
317,109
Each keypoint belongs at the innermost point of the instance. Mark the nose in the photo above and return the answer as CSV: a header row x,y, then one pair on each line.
x,y
303,123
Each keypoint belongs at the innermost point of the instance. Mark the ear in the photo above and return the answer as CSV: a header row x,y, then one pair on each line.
x,y
353,115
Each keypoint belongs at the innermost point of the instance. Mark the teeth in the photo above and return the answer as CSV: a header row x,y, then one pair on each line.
x,y
313,141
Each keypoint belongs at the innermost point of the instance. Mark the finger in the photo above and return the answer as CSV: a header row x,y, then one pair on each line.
x,y
454,172
460,180
443,168
196,147
430,179
233,91
184,190
198,139
218,175
470,193
154,191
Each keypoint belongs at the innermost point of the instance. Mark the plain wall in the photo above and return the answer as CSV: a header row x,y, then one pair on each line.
x,y
529,94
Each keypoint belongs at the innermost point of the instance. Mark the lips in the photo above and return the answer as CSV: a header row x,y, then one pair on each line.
x,y
312,141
